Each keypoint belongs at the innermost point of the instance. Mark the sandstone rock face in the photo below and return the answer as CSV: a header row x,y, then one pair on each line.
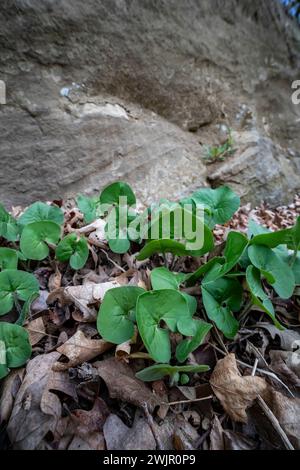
x,y
108,89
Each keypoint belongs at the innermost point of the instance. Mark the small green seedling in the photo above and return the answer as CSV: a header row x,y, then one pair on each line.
x,y
15,347
74,249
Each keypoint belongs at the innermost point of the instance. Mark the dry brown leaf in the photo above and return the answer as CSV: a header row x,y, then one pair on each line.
x,y
123,350
120,437
55,279
122,383
9,390
40,303
287,411
287,365
79,349
185,435
36,410
236,393
36,330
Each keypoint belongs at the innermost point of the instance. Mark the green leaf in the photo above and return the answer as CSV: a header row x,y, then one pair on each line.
x,y
39,211
8,258
26,308
16,283
289,237
189,345
259,297
192,278
74,249
161,246
169,306
116,316
236,244
15,347
88,207
276,271
35,237
119,245
9,228
220,203
162,278
112,193
175,247
159,371
221,298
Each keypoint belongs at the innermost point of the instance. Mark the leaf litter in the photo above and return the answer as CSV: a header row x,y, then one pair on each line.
x,y
80,392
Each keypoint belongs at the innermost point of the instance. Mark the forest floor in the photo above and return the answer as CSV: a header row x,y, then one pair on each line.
x,y
80,392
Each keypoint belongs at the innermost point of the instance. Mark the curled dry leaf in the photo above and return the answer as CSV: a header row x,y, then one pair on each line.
x,y
55,279
36,410
97,225
122,383
123,350
79,349
235,392
83,297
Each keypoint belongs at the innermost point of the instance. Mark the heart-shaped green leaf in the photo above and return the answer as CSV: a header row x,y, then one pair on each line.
x,y
39,211
169,306
35,237
276,271
159,371
220,204
8,258
116,316
221,298
9,228
119,245
74,249
162,278
16,283
189,345
112,193
15,347
259,297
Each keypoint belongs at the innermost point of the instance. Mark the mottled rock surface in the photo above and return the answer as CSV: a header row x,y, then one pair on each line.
x,y
131,89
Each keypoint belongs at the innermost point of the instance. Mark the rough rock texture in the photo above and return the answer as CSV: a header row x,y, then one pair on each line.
x,y
106,89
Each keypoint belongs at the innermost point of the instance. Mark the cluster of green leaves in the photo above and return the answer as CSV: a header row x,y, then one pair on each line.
x,y
155,314
220,152
262,261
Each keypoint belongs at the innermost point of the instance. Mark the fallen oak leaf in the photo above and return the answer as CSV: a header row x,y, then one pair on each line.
x,y
36,330
235,392
79,349
122,383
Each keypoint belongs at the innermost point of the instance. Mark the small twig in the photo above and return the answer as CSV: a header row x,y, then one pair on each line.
x,y
275,423
112,261
152,426
182,402
254,368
